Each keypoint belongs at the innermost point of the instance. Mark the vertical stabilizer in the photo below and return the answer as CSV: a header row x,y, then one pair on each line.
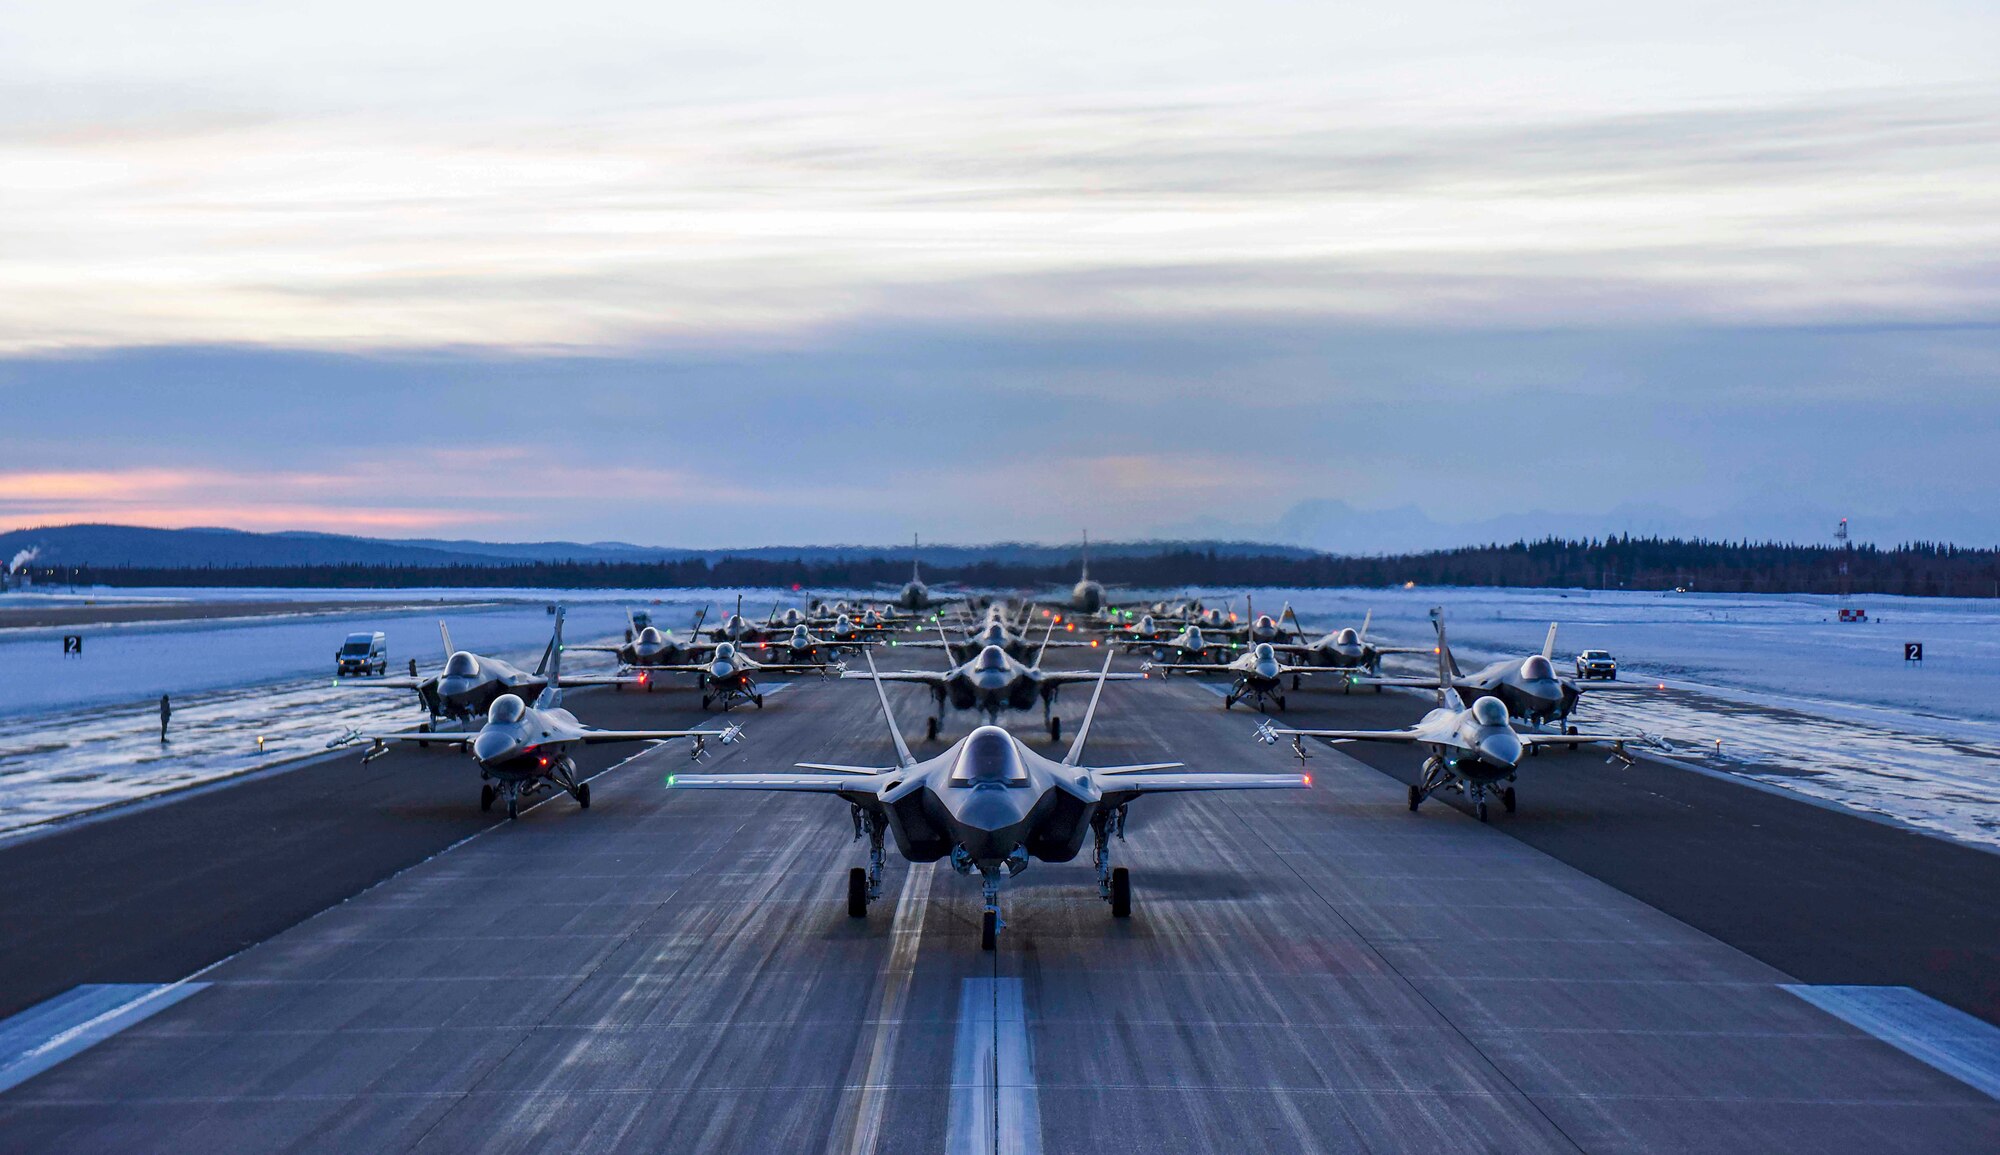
x,y
552,658
1083,732
903,757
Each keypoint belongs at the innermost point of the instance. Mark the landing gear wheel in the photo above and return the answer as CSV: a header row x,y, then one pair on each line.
x,y
857,893
1055,729
1416,798
760,702
1507,800
1295,681
1228,703
1571,730
1281,702
1480,810
704,701
989,930
1121,892
930,729
513,807
583,795
485,799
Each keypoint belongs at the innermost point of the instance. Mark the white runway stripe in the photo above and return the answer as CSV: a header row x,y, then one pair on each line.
x,y
1948,1039
994,1109
76,1020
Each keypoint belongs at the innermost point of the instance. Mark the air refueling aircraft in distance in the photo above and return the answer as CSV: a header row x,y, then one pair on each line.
x,y
1260,673
523,750
1472,750
990,805
915,596
1529,687
991,682
470,683
730,675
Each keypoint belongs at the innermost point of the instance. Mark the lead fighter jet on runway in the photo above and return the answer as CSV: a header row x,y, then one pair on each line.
x,y
991,805
523,750
1472,750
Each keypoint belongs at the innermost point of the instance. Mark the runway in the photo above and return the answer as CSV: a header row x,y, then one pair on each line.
x,y
1305,971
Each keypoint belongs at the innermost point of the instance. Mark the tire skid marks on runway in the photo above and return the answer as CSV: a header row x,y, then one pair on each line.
x,y
994,1108
862,1128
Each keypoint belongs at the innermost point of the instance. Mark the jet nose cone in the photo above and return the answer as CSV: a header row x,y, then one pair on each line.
x,y
493,746
1502,749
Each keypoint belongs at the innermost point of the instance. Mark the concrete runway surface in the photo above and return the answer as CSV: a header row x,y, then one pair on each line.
x,y
1304,971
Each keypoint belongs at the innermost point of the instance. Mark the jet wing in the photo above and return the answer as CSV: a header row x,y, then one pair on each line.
x,y
574,649
387,683
568,680
681,668
441,738
728,735
806,783
1193,667
925,677
1065,677
1167,782
1406,683
1587,739
1272,734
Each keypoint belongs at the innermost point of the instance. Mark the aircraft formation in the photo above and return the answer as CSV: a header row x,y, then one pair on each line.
x,y
989,801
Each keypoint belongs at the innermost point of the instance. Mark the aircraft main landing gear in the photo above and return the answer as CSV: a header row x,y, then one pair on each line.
x,y
1055,729
1507,799
930,729
989,919
486,795
857,893
1121,892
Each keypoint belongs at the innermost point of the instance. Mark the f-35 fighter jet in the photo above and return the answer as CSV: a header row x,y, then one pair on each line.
x,y
990,805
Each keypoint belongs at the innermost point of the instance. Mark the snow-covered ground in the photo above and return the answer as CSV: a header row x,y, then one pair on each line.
x,y
1798,698
77,734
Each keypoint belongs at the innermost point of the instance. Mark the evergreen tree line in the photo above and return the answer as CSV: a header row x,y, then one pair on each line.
x,y
1927,569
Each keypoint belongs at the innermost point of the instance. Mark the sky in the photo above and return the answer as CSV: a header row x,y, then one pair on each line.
x,y
793,273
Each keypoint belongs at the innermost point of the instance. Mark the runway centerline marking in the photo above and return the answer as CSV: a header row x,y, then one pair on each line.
x,y
906,932
994,1109
1918,1025
76,1020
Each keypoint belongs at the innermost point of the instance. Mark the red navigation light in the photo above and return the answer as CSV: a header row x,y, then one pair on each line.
x,y
1093,643
1308,778
544,759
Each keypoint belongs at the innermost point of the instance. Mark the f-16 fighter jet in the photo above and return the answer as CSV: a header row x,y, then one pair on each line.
x,y
730,676
1473,750
1259,673
523,750
470,683
990,805
1529,687
992,681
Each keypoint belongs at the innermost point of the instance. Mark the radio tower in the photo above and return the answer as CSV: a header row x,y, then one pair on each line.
x,y
1846,552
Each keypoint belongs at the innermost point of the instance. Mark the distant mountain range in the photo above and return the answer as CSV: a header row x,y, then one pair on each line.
x,y
125,545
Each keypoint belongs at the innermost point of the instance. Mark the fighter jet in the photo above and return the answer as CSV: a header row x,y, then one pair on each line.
x,y
1260,673
470,683
1086,596
1140,630
804,647
730,676
1470,750
739,629
1188,646
1529,687
990,805
648,645
997,630
523,750
991,682
1345,649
